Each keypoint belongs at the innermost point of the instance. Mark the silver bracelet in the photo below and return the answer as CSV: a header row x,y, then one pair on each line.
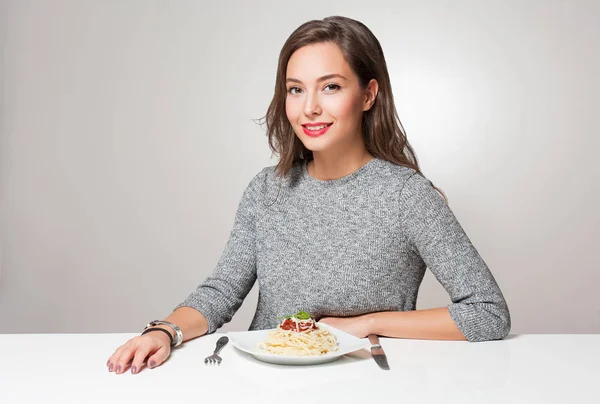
x,y
176,329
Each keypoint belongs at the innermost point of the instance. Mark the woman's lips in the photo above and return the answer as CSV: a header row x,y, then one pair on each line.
x,y
315,133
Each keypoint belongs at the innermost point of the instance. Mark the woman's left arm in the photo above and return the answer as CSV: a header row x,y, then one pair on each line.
x,y
433,324
478,311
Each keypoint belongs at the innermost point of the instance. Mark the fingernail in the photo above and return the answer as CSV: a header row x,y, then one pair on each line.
x,y
118,369
134,370
110,368
152,364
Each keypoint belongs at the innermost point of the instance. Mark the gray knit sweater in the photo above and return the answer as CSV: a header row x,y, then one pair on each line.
x,y
345,247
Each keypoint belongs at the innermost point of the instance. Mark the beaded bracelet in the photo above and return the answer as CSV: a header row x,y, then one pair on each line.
x,y
160,329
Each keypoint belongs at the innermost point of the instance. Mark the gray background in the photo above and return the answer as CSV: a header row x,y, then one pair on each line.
x,y
127,141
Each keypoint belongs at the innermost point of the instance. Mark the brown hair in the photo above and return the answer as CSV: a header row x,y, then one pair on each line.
x,y
382,131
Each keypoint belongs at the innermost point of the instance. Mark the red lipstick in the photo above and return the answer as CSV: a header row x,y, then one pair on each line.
x,y
323,127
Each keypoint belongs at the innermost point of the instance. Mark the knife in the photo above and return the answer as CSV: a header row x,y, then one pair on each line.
x,y
377,352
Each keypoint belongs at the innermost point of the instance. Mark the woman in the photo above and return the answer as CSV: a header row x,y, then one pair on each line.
x,y
345,224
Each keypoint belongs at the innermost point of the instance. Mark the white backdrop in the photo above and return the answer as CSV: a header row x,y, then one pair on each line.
x,y
127,140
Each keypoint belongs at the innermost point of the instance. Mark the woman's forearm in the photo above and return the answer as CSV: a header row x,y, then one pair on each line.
x,y
193,324
435,324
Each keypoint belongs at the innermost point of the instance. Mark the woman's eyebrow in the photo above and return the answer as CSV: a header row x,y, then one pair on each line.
x,y
326,77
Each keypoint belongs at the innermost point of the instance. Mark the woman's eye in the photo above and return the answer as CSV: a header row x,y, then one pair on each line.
x,y
297,90
332,87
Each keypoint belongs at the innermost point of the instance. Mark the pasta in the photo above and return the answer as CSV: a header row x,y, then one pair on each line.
x,y
299,335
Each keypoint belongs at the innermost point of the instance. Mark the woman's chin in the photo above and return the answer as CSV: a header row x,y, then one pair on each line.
x,y
314,144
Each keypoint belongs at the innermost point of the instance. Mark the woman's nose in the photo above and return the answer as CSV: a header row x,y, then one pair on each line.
x,y
311,106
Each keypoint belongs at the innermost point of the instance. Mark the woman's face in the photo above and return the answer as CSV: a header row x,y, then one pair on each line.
x,y
324,101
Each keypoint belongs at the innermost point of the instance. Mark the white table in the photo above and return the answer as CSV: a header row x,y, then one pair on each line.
x,y
70,368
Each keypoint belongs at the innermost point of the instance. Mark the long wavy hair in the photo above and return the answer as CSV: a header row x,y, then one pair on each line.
x,y
382,131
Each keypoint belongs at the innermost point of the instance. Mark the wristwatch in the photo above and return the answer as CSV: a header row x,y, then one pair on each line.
x,y
178,333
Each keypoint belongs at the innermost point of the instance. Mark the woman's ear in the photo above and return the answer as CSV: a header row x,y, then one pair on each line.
x,y
370,94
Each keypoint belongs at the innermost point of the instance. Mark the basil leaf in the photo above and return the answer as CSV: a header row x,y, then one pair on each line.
x,y
302,315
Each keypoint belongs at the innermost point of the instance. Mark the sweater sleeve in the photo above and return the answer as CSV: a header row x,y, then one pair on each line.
x,y
478,307
222,293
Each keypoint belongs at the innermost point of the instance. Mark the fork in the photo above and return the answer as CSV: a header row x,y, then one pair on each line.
x,y
215,358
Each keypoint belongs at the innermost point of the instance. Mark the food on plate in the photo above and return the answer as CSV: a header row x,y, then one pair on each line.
x,y
300,335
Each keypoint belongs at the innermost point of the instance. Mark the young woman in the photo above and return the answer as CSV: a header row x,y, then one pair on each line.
x,y
345,225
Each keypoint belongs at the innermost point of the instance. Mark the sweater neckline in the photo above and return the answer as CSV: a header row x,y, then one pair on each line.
x,y
338,181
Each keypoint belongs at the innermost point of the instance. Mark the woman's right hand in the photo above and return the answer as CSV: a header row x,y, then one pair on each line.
x,y
153,348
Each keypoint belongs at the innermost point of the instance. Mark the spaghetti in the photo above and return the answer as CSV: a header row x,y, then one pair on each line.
x,y
299,335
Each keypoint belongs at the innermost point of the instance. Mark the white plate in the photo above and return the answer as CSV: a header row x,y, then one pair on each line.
x,y
249,341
